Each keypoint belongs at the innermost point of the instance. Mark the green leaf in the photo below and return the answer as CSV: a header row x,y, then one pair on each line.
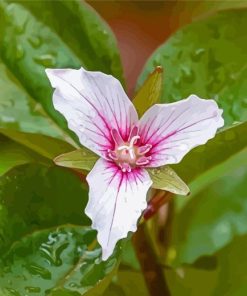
x,y
40,253
224,273
127,283
215,214
44,145
32,38
60,261
18,110
34,196
128,258
150,92
83,159
207,58
13,154
165,178
225,144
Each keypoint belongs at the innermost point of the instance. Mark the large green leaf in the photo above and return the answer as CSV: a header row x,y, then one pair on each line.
x,y
32,38
215,214
40,253
13,154
207,58
61,261
127,283
46,146
224,273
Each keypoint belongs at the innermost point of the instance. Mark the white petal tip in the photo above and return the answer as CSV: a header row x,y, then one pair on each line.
x,y
51,76
105,254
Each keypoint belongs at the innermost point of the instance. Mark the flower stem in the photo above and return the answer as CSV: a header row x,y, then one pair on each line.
x,y
159,199
152,271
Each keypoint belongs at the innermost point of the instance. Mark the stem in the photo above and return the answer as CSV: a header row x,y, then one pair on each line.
x,y
152,271
156,203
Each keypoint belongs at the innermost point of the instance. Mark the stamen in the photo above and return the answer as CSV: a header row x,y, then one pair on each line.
x,y
144,149
128,155
132,153
134,132
123,147
143,160
117,137
133,140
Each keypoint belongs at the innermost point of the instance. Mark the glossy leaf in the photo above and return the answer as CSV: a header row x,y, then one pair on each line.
x,y
127,283
33,39
38,252
83,159
150,92
214,215
44,145
13,154
165,178
207,58
220,274
18,110
55,261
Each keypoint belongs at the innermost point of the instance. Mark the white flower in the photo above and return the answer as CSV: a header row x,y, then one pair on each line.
x,y
105,121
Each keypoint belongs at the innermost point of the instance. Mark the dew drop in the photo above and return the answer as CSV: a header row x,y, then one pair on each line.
x,y
53,248
33,289
187,74
38,270
177,81
46,60
156,171
12,292
197,54
73,285
35,41
19,53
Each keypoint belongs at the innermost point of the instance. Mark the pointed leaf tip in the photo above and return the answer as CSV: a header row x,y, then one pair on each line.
x,y
165,178
150,92
159,69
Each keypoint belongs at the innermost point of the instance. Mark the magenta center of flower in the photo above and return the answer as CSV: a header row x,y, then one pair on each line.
x,y
129,154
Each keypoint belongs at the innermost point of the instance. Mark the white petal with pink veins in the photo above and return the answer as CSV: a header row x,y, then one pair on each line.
x,y
116,201
174,129
93,103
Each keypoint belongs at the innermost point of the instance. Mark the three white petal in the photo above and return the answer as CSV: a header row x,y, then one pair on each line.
x,y
95,103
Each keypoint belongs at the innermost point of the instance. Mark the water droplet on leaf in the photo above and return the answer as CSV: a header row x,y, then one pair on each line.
x,y
197,54
187,74
19,54
35,41
33,289
39,270
46,60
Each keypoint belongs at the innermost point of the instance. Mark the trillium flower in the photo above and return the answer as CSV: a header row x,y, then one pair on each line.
x,y
106,121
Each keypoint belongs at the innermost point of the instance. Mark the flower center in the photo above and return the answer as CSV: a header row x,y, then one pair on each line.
x,y
128,154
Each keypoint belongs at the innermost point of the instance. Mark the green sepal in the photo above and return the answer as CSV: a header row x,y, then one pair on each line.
x,y
165,178
82,159
150,92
